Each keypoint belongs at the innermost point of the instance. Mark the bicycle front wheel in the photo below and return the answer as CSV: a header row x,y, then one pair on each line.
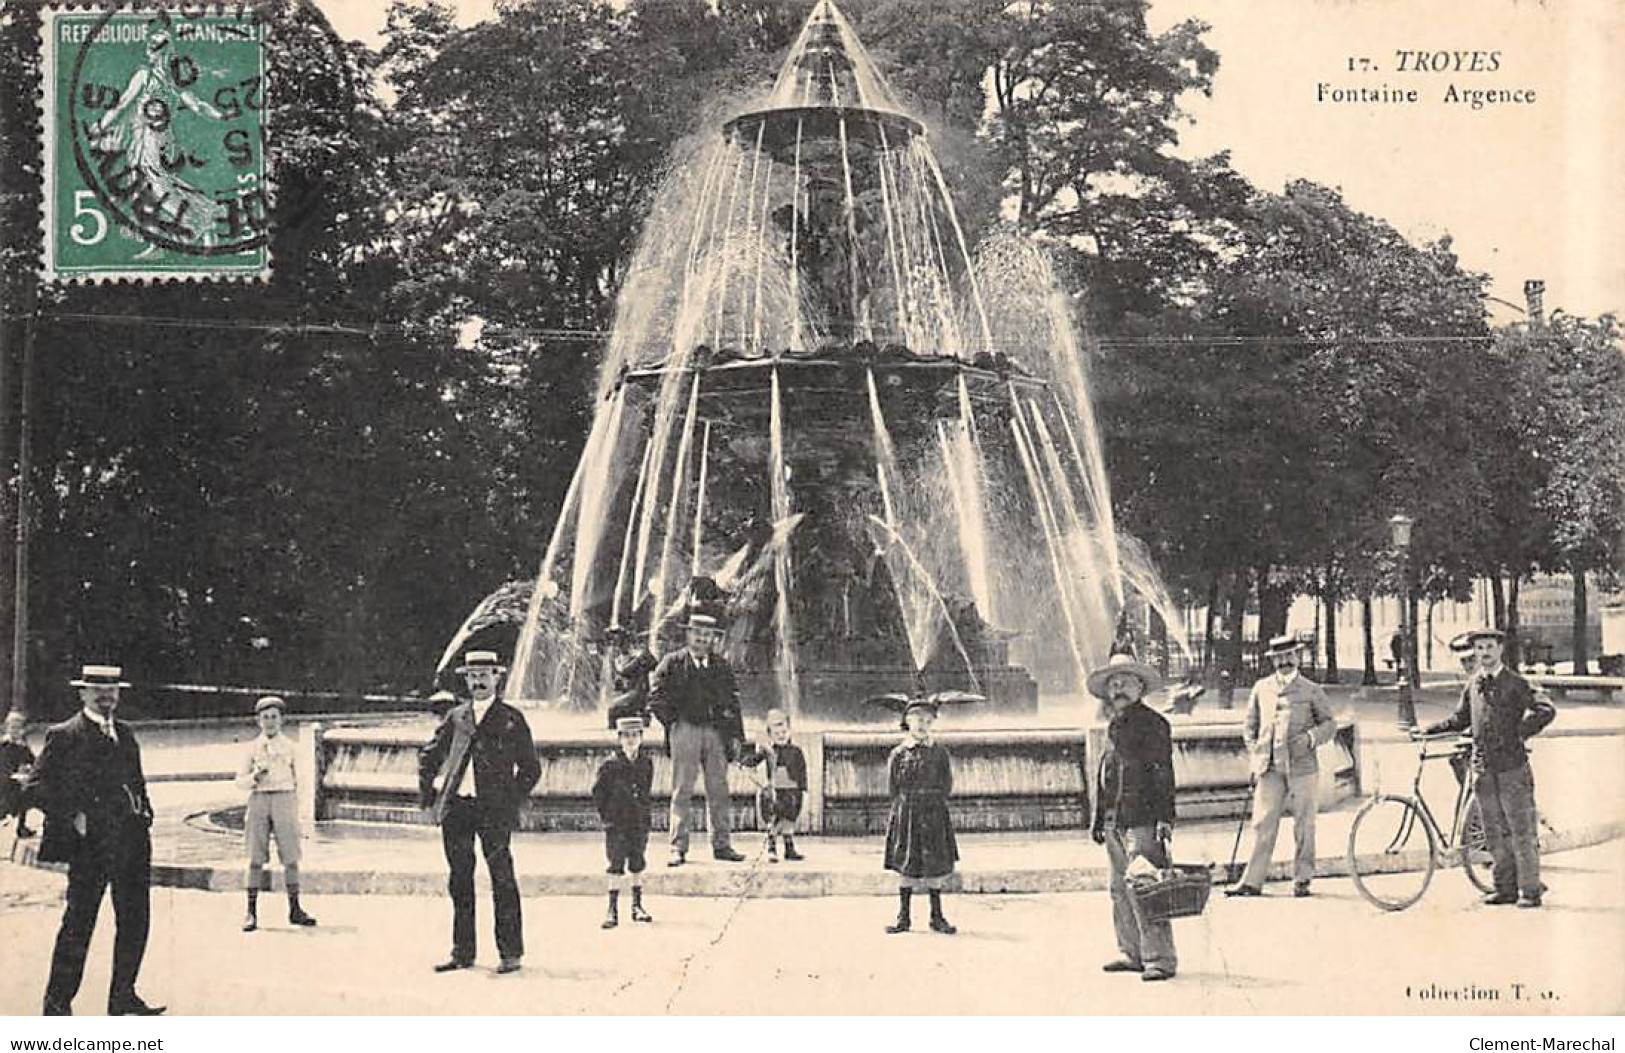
x,y
1475,847
1392,852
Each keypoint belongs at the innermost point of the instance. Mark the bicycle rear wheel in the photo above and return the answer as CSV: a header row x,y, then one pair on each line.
x,y
1475,847
1392,852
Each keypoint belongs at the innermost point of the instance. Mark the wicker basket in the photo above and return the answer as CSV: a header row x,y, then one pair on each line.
x,y
1180,891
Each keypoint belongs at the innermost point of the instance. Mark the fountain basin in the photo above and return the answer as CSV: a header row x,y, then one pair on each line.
x,y
786,128
1005,779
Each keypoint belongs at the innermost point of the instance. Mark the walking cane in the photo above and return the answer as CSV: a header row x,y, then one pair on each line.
x,y
1231,874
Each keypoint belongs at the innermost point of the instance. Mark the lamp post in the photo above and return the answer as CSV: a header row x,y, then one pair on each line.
x,y
1399,528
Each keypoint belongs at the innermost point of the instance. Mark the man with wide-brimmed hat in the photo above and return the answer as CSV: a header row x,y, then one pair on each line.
x,y
1288,719
90,786
696,698
475,775
1134,809
1503,710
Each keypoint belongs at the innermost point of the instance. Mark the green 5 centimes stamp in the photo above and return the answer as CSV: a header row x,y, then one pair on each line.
x,y
155,144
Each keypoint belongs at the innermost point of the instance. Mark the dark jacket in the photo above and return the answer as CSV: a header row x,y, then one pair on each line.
x,y
1501,715
502,751
786,764
681,691
82,771
14,757
1136,784
621,791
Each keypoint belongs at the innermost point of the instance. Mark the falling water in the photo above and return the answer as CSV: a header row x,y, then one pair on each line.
x,y
922,629
679,476
631,534
783,575
699,501
885,454
793,230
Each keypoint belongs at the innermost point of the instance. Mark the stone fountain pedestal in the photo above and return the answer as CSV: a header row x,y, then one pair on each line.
x,y
1005,779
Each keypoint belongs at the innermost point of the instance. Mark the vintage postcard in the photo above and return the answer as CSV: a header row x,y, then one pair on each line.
x,y
814,508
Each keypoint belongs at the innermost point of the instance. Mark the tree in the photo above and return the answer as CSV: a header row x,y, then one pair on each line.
x,y
1570,409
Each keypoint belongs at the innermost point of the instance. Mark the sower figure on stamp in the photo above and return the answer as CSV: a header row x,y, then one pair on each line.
x,y
476,775
620,793
1134,809
1503,710
1288,719
269,774
16,765
90,786
694,695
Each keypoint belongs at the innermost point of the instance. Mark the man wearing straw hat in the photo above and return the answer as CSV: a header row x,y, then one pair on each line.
x,y
475,776
694,694
1134,809
91,788
1288,719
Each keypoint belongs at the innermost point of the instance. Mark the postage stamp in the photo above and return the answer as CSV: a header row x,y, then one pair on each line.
x,y
155,133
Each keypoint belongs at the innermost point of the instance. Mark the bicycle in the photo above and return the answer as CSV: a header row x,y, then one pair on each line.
x,y
1391,862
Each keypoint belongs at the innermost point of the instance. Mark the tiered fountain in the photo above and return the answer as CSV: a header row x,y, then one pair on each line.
x,y
819,399
870,446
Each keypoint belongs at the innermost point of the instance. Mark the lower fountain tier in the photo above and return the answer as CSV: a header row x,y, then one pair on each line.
x,y
1004,779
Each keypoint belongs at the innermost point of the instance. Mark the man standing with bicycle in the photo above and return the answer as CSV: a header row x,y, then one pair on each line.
x,y
1503,710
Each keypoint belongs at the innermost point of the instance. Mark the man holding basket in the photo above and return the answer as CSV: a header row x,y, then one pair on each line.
x,y
1134,810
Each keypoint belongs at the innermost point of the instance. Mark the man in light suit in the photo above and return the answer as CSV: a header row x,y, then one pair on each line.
x,y
695,696
1288,719
475,777
90,786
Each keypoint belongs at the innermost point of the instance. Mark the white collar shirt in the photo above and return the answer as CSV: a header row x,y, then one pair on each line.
x,y
105,724
466,787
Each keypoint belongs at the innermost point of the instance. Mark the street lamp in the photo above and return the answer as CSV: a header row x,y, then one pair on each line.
x,y
1399,529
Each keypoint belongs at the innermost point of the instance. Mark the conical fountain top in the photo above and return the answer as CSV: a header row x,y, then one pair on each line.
x,y
829,90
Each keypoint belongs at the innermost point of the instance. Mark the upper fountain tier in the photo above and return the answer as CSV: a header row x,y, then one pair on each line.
x,y
828,89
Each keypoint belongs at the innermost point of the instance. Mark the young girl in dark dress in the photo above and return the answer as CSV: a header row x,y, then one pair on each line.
x,y
920,843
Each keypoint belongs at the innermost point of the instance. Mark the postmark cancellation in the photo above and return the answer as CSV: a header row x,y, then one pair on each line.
x,y
154,139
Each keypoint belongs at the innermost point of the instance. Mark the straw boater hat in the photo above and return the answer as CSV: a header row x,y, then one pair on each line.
x,y
626,724
1123,663
1473,634
476,660
270,702
700,621
100,676
1287,644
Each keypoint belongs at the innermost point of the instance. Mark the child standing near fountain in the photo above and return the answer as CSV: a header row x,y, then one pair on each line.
x,y
621,795
268,774
779,801
920,844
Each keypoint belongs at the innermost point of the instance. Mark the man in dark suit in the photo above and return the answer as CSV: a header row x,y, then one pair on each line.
x,y
1503,710
1134,809
89,784
475,776
695,696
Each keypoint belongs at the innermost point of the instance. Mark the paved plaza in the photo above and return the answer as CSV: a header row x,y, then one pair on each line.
x,y
1014,954
1031,940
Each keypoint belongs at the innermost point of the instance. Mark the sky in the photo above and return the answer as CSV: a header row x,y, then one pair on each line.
x,y
1532,190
